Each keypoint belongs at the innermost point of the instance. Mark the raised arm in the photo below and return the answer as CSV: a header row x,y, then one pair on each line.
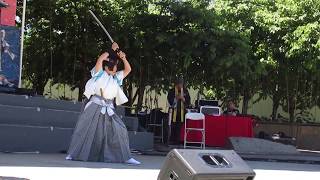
x,y
100,60
127,67
122,56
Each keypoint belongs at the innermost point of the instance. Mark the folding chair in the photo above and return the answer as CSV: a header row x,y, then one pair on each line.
x,y
194,117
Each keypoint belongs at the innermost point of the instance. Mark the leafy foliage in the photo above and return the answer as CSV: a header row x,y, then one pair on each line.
x,y
236,48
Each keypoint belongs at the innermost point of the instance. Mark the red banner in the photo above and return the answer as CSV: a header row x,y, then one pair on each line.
x,y
8,14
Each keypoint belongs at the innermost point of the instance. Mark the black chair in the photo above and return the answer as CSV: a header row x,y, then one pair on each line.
x,y
156,123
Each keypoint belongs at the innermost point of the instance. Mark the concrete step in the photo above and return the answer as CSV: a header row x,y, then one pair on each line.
x,y
19,138
36,116
39,101
23,138
39,124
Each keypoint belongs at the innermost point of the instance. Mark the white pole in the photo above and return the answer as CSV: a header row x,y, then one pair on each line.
x,y
22,38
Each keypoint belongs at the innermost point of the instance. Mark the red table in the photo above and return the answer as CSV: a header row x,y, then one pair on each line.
x,y
220,128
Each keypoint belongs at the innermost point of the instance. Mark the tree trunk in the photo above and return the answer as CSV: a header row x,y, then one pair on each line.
x,y
41,79
83,55
140,98
129,93
141,90
275,103
290,99
245,102
292,108
39,85
83,79
81,89
40,88
275,106
64,91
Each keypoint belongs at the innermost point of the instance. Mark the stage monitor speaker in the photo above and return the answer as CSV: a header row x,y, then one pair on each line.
x,y
210,110
205,165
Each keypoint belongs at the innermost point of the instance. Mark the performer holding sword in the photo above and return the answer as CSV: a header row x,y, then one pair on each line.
x,y
100,134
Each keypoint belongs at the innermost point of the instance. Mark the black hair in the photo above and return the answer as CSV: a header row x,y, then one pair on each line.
x,y
179,80
113,60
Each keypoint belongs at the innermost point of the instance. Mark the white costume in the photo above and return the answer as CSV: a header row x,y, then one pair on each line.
x,y
109,84
100,134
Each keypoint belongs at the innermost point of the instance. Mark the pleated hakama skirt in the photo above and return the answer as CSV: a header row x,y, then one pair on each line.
x,y
99,137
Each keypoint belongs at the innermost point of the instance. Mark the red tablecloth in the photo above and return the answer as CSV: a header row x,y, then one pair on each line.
x,y
220,128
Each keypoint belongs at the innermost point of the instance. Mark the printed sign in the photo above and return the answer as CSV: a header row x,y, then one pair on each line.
x,y
9,56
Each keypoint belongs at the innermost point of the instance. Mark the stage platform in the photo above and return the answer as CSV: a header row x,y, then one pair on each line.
x,y
53,167
34,123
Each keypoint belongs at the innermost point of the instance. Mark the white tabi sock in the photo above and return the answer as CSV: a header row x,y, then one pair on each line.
x,y
133,162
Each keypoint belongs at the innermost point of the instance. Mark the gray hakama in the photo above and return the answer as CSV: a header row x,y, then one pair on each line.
x,y
100,134
100,137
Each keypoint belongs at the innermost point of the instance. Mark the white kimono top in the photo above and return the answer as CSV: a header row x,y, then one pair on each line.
x,y
110,86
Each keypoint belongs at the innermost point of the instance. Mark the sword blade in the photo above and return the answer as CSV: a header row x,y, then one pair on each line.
x,y
101,25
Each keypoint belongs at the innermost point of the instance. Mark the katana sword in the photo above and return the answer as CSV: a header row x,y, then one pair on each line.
x,y
101,25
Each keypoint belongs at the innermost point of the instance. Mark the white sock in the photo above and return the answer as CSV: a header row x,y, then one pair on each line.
x,y
68,157
133,161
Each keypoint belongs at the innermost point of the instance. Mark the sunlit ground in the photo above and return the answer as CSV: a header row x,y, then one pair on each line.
x,y
53,166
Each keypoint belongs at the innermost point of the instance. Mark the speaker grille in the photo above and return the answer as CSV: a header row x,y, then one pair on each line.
x,y
215,160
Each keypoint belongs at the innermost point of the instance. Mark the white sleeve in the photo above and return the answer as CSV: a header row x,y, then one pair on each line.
x,y
94,73
121,98
89,88
91,83
119,77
